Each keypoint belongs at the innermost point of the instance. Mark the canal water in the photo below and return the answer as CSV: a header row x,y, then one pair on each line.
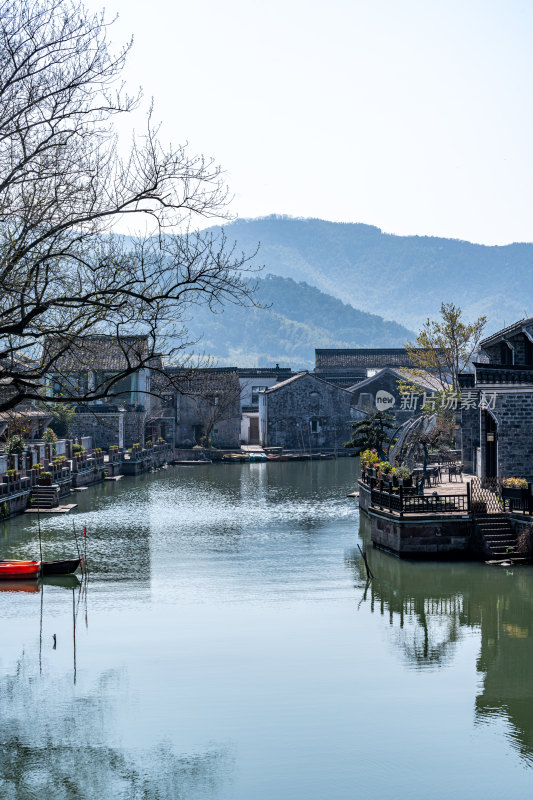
x,y
227,645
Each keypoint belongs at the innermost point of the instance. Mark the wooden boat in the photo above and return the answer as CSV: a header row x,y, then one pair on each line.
x,y
19,570
66,567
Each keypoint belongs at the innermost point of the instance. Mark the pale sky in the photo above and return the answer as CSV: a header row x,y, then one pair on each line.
x,y
412,115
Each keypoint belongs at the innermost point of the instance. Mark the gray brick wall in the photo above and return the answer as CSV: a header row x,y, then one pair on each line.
x,y
295,409
469,435
514,414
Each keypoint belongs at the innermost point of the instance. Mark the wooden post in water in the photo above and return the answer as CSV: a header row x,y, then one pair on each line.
x,y
74,629
78,547
368,570
40,539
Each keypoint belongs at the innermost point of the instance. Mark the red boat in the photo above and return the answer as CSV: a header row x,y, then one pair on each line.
x,y
16,570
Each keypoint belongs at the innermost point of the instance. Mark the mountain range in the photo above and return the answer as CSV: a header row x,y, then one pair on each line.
x,y
401,278
290,320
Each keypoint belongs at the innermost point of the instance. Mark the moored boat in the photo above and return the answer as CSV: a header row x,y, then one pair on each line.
x,y
258,456
17,570
65,567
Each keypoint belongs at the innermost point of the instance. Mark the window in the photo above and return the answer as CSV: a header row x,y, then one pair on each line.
x,y
256,391
315,427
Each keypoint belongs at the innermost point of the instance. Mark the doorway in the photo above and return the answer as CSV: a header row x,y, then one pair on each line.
x,y
491,447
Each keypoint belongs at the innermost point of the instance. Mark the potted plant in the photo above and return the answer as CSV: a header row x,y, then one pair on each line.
x,y
514,488
45,479
403,476
12,475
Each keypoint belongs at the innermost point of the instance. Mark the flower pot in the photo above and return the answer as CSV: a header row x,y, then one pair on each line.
x,y
513,494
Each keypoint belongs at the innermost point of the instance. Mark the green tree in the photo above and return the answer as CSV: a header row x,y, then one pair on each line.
x,y
373,433
444,346
62,418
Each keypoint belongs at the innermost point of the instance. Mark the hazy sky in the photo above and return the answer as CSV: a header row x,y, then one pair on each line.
x,y
412,115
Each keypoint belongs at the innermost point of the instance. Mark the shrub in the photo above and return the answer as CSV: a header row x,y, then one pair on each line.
x,y
77,448
514,483
369,458
11,473
385,467
148,443
15,445
161,440
37,466
401,473
49,436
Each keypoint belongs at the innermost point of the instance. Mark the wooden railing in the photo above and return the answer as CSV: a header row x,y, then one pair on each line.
x,y
402,503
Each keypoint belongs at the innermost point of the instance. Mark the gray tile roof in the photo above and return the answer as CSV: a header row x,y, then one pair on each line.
x,y
99,353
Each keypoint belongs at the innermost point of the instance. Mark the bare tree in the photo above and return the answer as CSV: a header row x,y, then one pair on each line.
x,y
216,397
64,186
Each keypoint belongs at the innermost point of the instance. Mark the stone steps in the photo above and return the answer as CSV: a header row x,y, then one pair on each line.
x,y
44,497
499,537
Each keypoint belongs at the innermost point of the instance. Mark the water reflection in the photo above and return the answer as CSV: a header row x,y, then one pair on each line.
x,y
431,606
58,743
69,757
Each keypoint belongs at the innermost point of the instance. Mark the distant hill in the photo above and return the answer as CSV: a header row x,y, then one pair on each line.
x,y
404,278
298,318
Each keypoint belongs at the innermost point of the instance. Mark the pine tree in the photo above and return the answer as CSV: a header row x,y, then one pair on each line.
x,y
373,433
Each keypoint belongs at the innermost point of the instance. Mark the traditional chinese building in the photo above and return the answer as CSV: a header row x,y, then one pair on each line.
x,y
88,366
496,410
383,392
347,367
206,405
305,413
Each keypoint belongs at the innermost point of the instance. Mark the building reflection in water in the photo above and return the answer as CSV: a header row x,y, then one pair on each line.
x,y
430,605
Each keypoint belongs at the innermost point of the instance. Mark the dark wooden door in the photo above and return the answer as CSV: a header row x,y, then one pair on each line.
x,y
254,430
491,458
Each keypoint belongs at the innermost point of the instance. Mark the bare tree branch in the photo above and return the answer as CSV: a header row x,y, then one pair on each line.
x,y
63,186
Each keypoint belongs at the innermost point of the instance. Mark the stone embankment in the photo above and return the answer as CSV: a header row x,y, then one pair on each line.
x,y
45,473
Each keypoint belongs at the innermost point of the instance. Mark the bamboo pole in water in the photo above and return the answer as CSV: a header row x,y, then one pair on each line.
x,y
74,629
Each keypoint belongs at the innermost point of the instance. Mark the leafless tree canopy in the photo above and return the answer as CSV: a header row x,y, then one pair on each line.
x,y
64,184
